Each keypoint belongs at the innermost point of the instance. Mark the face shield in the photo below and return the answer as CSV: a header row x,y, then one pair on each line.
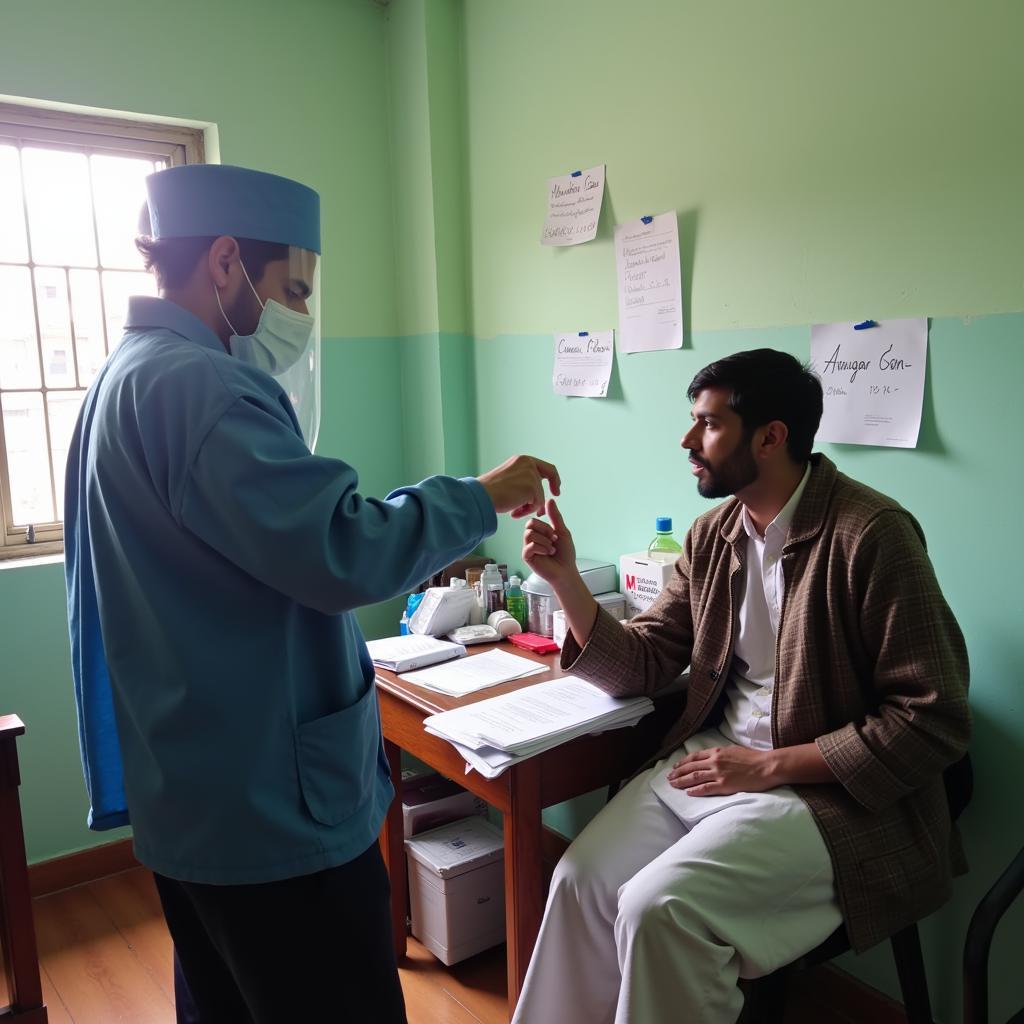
x,y
301,380
286,341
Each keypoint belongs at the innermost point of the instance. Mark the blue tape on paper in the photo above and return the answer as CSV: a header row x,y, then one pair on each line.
x,y
864,325
647,220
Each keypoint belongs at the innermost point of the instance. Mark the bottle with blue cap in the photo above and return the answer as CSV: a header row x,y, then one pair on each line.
x,y
664,548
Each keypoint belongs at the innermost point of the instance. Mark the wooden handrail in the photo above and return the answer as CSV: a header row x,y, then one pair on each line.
x,y
17,929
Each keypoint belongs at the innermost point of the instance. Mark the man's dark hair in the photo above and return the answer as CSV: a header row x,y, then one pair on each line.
x,y
174,259
766,385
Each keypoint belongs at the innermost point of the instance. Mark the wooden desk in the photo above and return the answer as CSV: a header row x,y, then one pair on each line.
x,y
18,952
575,768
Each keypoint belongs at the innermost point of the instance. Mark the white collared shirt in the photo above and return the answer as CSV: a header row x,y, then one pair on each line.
x,y
748,711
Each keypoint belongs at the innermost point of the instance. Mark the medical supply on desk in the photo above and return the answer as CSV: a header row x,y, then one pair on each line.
x,y
495,599
504,623
457,888
613,602
664,548
411,604
490,576
515,601
443,609
479,633
541,602
642,579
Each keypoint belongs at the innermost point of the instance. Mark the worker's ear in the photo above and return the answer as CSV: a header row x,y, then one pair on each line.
x,y
223,254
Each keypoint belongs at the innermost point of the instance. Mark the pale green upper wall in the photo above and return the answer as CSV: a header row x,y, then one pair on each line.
x,y
426,89
830,160
297,89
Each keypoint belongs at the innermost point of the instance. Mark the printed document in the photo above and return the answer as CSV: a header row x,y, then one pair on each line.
x,y
873,381
583,363
650,292
574,207
457,678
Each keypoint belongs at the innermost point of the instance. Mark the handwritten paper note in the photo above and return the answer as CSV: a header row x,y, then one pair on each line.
x,y
873,380
650,296
583,363
574,207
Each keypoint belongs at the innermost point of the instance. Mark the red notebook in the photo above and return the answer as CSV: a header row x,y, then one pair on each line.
x,y
533,642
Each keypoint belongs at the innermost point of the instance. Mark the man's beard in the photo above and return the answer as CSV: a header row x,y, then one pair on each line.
x,y
739,470
244,312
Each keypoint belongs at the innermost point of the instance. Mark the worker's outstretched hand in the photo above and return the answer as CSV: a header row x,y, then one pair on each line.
x,y
517,485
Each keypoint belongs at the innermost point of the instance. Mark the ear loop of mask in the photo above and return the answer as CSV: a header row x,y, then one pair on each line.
x,y
216,295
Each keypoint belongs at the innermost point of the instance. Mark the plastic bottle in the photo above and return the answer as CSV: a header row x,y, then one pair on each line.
x,y
515,601
664,548
495,599
487,577
476,609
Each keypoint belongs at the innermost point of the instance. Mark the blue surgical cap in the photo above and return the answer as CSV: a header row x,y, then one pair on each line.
x,y
198,200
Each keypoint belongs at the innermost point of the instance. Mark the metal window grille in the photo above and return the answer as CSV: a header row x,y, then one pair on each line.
x,y
71,189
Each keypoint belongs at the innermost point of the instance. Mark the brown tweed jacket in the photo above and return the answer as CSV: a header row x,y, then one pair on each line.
x,y
870,665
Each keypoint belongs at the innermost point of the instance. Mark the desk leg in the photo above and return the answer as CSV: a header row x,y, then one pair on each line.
x,y
524,883
392,842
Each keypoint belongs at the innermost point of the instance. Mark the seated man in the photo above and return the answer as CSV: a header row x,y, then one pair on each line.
x,y
802,786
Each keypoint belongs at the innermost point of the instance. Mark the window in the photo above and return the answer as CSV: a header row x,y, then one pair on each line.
x,y
71,190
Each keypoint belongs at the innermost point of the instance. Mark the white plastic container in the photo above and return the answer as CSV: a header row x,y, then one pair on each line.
x,y
457,888
613,602
642,579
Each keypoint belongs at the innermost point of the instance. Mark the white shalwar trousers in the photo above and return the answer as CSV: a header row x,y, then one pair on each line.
x,y
665,900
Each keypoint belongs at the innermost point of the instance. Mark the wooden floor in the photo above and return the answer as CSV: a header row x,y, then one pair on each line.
x,y
106,958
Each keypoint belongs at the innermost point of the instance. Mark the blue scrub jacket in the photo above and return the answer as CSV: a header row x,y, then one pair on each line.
x,y
225,694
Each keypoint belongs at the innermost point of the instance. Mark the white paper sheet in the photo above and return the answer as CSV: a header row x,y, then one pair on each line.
x,y
583,363
574,207
474,673
650,294
516,722
873,381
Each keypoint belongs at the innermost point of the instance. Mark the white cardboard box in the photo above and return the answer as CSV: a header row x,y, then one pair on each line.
x,y
642,579
457,888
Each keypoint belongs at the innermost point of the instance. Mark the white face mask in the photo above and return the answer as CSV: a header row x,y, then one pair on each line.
x,y
280,338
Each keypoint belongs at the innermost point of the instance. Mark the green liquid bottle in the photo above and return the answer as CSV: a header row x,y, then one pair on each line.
x,y
664,548
515,601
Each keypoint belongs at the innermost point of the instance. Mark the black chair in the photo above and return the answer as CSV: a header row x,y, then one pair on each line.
x,y
989,912
766,997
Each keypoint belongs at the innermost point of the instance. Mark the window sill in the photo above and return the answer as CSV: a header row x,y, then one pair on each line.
x,y
23,562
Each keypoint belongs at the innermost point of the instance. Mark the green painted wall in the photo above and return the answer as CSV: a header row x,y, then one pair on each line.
x,y
300,92
827,162
825,156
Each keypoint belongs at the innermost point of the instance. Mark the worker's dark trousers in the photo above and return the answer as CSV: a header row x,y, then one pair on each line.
x,y
313,948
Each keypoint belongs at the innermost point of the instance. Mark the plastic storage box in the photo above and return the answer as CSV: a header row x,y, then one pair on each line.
x,y
431,800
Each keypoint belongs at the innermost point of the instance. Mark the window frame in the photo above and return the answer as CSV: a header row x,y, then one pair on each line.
x,y
57,129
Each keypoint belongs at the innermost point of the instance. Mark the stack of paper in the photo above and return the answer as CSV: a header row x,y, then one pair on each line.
x,y
401,653
494,734
457,678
